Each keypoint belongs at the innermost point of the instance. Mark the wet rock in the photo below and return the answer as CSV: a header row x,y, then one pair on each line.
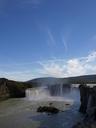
x,y
88,106
48,109
93,97
67,104
84,97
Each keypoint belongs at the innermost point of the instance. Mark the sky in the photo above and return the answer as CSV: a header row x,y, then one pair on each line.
x,y
47,38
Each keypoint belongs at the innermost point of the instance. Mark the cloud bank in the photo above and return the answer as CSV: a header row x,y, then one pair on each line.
x,y
71,67
54,68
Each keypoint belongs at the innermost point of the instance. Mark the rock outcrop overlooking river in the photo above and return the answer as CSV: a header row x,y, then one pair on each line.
x,y
87,107
12,89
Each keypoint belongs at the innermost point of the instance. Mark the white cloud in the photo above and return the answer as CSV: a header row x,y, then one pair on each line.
x,y
17,75
59,68
75,67
53,68
65,38
72,67
51,37
65,44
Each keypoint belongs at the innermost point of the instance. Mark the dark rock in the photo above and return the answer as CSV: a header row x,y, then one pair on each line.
x,y
55,89
88,106
67,104
88,124
12,89
84,97
48,109
93,97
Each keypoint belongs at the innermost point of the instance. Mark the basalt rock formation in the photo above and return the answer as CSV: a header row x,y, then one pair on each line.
x,y
12,89
88,107
84,97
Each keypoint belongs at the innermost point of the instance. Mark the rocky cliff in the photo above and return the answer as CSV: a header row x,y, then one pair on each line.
x,y
87,107
13,89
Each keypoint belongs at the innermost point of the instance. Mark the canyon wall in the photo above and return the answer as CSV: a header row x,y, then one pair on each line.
x,y
87,107
12,89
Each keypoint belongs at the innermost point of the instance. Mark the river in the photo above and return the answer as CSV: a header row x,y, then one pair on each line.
x,y
21,113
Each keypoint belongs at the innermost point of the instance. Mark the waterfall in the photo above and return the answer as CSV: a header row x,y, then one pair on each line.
x,y
61,90
54,92
43,93
37,93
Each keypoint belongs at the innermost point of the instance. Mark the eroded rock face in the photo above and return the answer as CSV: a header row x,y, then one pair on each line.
x,y
12,89
4,91
87,98
93,95
88,106
84,97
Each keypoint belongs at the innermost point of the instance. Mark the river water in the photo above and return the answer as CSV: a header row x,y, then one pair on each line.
x,y
21,113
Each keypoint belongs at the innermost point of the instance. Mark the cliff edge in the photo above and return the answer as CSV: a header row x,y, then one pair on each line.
x,y
12,89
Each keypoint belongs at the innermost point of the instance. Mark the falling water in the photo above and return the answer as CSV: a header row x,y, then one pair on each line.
x,y
61,90
39,93
55,93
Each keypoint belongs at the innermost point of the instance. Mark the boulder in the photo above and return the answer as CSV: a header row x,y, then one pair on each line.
x,y
48,109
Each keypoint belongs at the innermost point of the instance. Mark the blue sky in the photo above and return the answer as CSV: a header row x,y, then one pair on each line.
x,y
40,38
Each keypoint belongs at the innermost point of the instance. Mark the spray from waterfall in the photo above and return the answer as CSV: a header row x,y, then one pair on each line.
x,y
52,93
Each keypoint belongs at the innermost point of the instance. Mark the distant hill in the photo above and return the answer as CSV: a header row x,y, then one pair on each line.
x,y
89,79
71,80
48,81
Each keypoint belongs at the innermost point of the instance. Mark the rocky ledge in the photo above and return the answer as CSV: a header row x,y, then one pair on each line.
x,y
12,89
87,107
